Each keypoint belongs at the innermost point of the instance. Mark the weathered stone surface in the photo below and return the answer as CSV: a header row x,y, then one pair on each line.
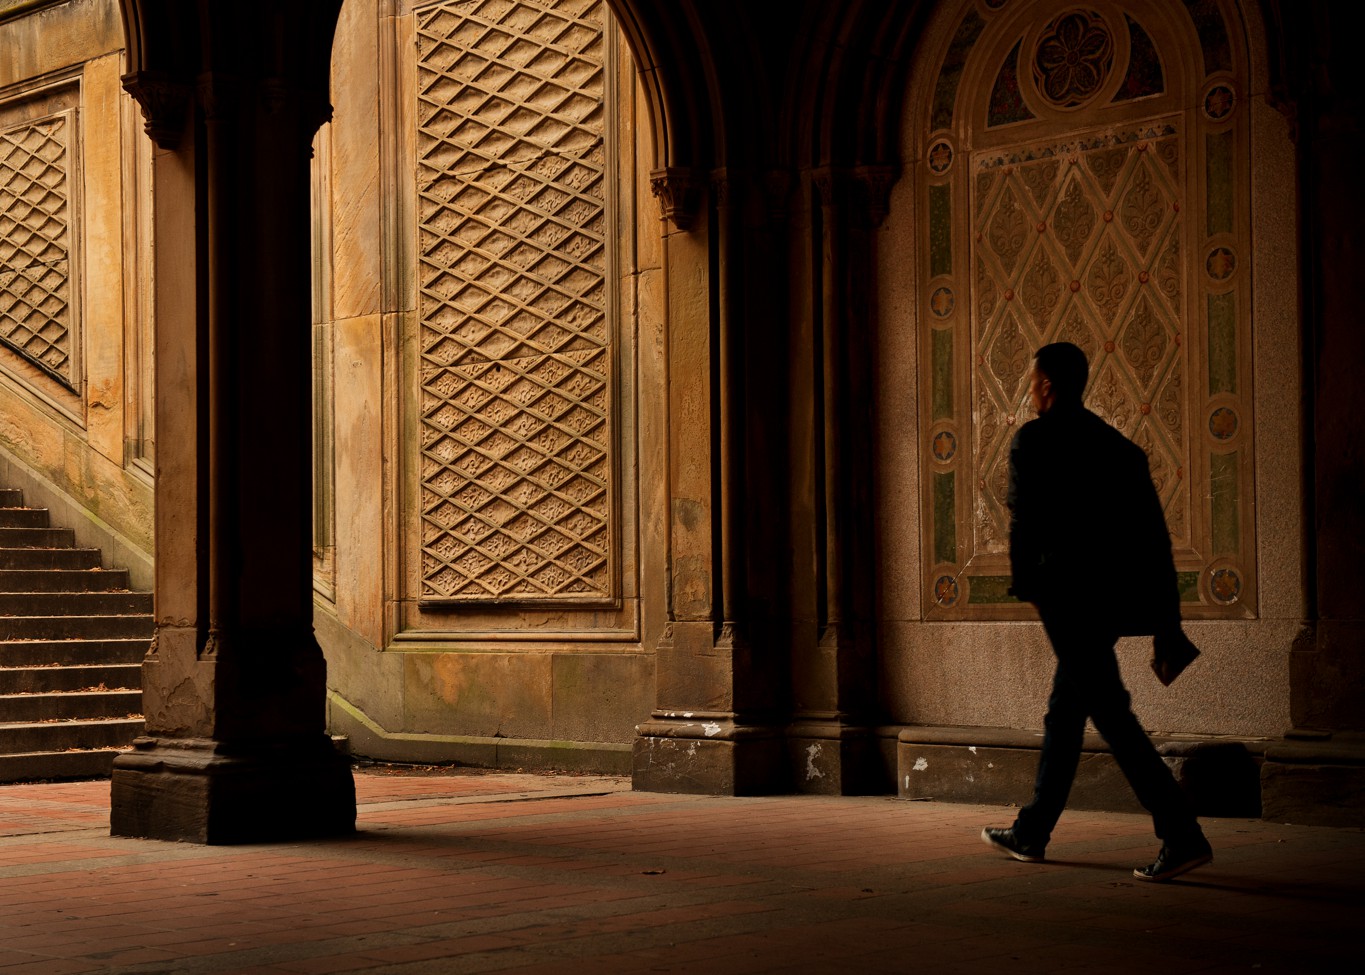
x,y
709,766
1315,779
992,765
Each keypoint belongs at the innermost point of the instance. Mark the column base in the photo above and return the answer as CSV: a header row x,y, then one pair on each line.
x,y
997,766
205,791
708,754
1315,780
831,758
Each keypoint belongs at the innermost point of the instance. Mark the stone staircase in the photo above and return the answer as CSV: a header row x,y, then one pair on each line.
x,y
72,639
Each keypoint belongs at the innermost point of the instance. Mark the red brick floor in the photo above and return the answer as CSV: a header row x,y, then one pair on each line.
x,y
453,873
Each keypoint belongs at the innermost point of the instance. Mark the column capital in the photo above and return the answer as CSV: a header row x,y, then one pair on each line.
x,y
164,101
680,193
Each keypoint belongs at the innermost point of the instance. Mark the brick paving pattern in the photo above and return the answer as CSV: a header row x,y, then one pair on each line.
x,y
458,872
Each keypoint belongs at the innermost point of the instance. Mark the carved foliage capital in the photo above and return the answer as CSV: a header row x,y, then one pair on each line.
x,y
875,183
163,101
777,193
865,188
829,184
679,192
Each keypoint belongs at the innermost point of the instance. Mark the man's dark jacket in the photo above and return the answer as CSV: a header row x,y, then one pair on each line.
x,y
1088,538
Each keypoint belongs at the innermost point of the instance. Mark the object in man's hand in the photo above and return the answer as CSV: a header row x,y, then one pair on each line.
x,y
1171,654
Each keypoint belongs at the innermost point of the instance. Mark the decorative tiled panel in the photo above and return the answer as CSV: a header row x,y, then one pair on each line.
x,y
1077,240
36,310
1077,185
515,361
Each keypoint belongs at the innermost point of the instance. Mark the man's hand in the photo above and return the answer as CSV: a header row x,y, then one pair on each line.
x,y
1172,652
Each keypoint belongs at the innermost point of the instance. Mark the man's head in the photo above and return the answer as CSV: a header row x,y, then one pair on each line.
x,y
1059,375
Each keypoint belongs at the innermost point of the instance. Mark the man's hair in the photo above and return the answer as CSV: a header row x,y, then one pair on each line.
x,y
1065,364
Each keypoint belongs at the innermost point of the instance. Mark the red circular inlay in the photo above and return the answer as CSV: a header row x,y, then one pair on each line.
x,y
1075,285
1144,277
1041,227
1009,294
1108,216
1145,408
1108,346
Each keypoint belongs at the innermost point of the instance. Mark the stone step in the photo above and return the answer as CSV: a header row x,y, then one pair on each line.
x,y
63,580
73,653
46,679
75,603
52,736
37,538
72,641
48,628
59,707
52,765
23,517
49,558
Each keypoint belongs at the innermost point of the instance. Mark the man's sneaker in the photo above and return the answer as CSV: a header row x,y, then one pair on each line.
x,y
1005,839
1173,861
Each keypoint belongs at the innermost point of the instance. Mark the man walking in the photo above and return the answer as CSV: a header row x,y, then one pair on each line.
x,y
1090,548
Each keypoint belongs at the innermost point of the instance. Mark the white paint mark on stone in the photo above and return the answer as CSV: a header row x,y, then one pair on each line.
x,y
907,783
971,777
711,728
972,749
812,753
990,765
921,764
687,714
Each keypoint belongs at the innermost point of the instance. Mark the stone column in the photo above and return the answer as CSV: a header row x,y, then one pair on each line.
x,y
705,735
831,739
234,685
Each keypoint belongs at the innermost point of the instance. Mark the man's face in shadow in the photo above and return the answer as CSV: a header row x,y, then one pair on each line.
x,y
1040,389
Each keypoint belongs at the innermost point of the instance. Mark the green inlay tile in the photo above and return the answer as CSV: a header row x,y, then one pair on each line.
x,y
1223,491
945,91
990,589
1188,584
945,517
1219,179
940,230
1222,343
942,382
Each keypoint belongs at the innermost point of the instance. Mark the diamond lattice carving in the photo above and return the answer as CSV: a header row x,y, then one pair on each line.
x,y
35,261
1103,271
515,358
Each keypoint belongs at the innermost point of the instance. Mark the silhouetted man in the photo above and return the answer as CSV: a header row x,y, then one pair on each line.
x,y
1090,548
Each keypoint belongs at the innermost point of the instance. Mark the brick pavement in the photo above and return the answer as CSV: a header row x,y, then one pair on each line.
x,y
454,873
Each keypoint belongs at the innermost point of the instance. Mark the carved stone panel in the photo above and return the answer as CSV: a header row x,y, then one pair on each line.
x,y
37,311
515,358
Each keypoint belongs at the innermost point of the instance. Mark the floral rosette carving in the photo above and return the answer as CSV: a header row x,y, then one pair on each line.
x,y
1074,56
